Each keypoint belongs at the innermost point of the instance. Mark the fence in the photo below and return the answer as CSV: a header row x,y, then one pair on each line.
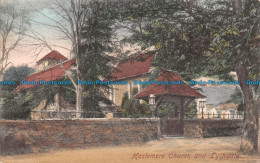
x,y
70,114
95,114
214,116
54,114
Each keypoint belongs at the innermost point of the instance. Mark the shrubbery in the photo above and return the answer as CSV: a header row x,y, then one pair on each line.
x,y
132,107
18,106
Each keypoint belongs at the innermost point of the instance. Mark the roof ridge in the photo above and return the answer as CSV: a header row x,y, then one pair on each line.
x,y
50,67
59,57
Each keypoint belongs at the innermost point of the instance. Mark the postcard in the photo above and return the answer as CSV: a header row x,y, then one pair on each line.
x,y
129,81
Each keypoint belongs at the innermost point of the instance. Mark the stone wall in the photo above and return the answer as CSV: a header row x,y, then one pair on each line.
x,y
213,127
259,133
18,137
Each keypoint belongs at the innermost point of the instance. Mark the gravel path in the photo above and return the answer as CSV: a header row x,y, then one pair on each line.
x,y
222,149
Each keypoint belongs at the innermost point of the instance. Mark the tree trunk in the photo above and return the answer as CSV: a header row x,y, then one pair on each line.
x,y
249,139
1,70
78,101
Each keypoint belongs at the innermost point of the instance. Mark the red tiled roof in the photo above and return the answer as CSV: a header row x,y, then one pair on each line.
x,y
178,90
53,73
133,66
54,55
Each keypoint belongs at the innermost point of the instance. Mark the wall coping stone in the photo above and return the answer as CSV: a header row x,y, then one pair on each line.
x,y
83,119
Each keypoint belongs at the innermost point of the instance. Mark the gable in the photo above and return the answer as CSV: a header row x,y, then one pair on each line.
x,y
55,55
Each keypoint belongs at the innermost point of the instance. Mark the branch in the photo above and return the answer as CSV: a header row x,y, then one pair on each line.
x,y
69,76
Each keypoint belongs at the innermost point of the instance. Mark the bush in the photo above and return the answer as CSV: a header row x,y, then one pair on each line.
x,y
132,108
18,106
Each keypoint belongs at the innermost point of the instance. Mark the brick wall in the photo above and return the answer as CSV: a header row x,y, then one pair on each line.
x,y
18,137
213,128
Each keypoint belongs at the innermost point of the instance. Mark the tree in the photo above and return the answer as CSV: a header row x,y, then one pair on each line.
x,y
197,38
13,24
14,107
97,35
16,74
73,17
87,25
19,105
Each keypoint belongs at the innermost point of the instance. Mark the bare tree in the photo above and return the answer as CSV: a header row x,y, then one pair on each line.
x,y
76,21
73,15
68,23
12,31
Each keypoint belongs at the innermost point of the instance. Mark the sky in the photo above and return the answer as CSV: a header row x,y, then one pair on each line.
x,y
38,8
26,54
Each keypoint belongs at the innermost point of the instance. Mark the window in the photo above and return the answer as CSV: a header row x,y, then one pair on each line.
x,y
152,99
139,88
111,94
130,85
45,64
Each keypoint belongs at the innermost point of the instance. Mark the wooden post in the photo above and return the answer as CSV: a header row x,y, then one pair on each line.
x,y
175,112
202,114
182,112
58,102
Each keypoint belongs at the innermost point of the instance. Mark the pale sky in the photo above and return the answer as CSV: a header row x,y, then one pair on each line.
x,y
25,54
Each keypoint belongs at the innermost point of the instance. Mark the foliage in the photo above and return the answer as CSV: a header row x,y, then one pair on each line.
x,y
18,106
97,33
16,74
132,107
91,100
168,108
236,97
191,110
196,38
165,108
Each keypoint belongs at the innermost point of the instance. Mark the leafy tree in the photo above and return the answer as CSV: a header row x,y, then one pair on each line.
x,y
16,74
15,106
19,105
197,38
97,33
